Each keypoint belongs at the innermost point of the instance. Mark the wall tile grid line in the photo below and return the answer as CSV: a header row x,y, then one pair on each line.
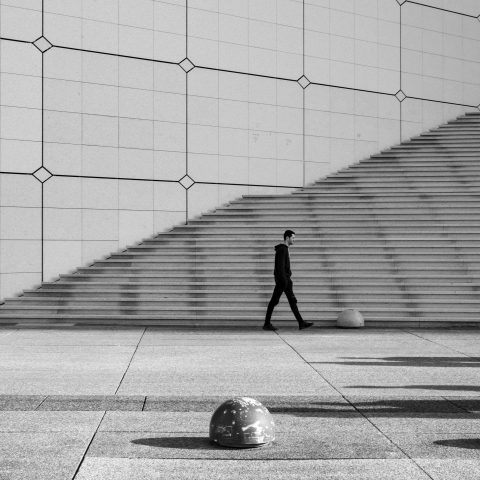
x,y
120,119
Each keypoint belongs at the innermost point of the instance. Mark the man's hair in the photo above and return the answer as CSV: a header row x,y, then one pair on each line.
x,y
288,233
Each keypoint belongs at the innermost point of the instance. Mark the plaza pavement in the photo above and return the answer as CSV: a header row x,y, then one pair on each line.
x,y
135,403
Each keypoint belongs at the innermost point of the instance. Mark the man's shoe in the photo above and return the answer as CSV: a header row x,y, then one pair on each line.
x,y
269,326
305,325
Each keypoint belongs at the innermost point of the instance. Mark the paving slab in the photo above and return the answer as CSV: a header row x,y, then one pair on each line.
x,y
213,338
32,455
420,390
105,336
153,469
185,435
459,340
293,445
438,445
198,422
62,370
428,423
332,404
278,403
450,469
405,406
20,402
184,422
6,331
470,404
244,370
347,404
400,376
357,345
92,402
35,421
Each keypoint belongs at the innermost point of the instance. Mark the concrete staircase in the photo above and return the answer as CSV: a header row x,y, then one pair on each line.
x,y
396,236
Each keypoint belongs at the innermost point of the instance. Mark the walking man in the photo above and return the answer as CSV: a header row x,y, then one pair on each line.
x,y
283,283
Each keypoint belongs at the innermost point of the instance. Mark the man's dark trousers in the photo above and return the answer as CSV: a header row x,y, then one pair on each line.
x,y
281,287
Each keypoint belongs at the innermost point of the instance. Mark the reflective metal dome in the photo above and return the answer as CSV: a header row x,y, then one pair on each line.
x,y
242,422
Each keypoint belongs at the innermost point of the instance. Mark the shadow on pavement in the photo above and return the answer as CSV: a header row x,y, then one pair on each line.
x,y
189,443
407,361
184,443
470,443
457,388
388,407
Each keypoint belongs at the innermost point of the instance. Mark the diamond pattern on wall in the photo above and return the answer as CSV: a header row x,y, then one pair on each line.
x,y
186,64
401,96
42,174
304,81
42,44
186,182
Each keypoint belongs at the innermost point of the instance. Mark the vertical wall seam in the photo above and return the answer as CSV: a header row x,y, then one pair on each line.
x,y
187,153
303,97
42,126
401,74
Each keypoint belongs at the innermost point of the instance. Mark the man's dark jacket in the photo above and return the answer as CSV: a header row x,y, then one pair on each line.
x,y
282,264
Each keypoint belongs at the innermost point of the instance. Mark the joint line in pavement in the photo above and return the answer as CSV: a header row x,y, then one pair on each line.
x,y
356,409
88,446
130,362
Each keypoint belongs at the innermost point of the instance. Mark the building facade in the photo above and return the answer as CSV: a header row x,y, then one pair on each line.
x,y
122,118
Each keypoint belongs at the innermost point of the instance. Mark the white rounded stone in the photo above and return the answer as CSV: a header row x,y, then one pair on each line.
x,y
350,318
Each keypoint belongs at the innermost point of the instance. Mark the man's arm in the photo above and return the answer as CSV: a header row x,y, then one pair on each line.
x,y
280,261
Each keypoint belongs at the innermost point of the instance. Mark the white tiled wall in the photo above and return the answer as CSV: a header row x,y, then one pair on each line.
x,y
353,44
128,144
342,124
421,115
244,130
261,37
21,20
20,232
440,55
469,7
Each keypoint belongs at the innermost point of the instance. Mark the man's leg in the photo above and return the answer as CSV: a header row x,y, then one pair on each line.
x,y
293,302
302,324
277,293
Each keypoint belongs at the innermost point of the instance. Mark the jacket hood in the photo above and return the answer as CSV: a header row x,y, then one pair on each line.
x,y
279,246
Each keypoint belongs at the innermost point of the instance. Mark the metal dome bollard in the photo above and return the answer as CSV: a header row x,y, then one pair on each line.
x,y
350,318
242,422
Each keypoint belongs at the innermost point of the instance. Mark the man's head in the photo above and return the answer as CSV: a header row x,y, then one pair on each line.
x,y
289,237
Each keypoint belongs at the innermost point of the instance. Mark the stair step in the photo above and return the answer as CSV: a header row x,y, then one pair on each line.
x,y
396,235
324,248
440,313
442,173
312,262
220,302
182,310
371,194
352,208
339,286
365,253
274,220
380,291
318,278
267,266
426,155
